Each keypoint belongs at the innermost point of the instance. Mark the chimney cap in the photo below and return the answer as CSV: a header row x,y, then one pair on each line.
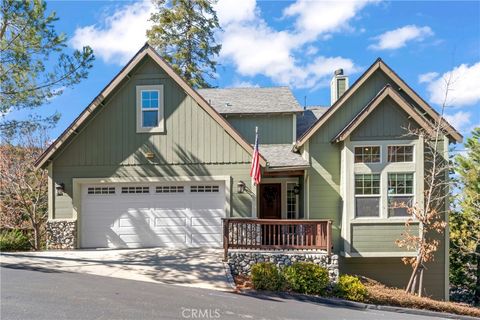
x,y
338,72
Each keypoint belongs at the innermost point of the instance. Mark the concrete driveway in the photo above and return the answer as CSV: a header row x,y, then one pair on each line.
x,y
192,267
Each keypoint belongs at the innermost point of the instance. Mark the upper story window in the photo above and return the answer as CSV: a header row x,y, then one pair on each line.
x,y
400,194
150,108
400,153
367,195
367,154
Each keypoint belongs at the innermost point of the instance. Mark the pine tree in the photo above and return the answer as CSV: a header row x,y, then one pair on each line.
x,y
33,65
465,221
183,34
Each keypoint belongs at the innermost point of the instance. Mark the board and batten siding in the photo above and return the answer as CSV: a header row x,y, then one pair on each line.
x,y
272,129
193,143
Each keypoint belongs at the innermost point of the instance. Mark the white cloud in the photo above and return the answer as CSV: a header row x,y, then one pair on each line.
x,y
427,77
464,89
232,11
255,48
398,38
118,36
460,120
319,17
244,84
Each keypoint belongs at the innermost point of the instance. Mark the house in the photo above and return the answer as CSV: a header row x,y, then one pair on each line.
x,y
153,162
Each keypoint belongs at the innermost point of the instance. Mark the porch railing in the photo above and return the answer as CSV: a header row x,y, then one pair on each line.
x,y
268,234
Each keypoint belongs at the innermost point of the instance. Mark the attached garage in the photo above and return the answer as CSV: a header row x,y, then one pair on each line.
x,y
168,214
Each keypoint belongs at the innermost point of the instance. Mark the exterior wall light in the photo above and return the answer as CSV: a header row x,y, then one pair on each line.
x,y
241,187
149,155
296,189
60,188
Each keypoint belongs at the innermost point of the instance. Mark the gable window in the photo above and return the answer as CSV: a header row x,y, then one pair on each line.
x,y
400,193
367,154
400,153
150,108
367,195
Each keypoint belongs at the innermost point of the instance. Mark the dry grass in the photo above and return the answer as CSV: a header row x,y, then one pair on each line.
x,y
382,295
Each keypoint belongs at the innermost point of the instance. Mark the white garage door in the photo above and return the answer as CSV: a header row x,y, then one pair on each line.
x,y
152,215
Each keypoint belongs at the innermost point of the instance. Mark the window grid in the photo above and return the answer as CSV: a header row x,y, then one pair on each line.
x,y
169,189
291,202
367,154
367,184
400,153
204,189
400,183
150,106
101,190
135,190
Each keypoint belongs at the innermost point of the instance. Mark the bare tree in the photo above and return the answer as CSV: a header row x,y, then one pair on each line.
x,y
23,195
430,215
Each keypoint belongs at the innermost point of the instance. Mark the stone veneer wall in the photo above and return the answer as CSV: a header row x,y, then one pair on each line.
x,y
241,261
61,234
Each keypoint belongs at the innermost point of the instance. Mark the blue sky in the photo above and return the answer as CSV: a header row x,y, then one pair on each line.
x,y
299,44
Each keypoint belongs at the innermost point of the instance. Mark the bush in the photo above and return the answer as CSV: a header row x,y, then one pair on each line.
x,y
13,240
266,276
350,288
306,277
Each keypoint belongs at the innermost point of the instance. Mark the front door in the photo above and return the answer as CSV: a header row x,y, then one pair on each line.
x,y
270,201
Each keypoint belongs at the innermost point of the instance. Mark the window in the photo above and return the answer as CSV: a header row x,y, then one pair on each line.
x,y
292,206
204,189
400,194
400,153
101,190
150,108
368,154
135,190
367,195
169,189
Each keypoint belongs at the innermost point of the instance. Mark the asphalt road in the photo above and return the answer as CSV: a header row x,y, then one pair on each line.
x,y
46,294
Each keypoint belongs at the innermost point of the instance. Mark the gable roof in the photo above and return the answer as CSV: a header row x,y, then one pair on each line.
x,y
251,100
387,91
378,65
146,50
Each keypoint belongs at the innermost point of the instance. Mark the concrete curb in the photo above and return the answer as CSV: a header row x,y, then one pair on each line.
x,y
355,305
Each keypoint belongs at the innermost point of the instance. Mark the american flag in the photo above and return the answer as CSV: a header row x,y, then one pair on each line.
x,y
255,169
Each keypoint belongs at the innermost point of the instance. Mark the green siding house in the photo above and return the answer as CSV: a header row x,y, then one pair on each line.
x,y
153,162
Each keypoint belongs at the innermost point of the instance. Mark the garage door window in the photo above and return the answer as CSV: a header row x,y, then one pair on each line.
x,y
169,189
135,190
101,190
204,189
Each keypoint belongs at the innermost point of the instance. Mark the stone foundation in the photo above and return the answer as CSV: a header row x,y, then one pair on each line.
x,y
241,261
61,234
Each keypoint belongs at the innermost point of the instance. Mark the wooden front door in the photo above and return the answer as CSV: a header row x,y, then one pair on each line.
x,y
270,201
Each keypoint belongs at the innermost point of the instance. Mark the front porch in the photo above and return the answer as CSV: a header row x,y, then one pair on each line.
x,y
274,234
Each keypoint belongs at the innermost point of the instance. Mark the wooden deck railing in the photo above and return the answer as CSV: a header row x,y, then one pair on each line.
x,y
268,234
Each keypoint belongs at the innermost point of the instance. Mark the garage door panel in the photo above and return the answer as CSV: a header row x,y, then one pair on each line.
x,y
155,219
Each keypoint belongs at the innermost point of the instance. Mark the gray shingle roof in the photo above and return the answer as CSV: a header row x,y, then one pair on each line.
x,y
308,118
251,100
281,155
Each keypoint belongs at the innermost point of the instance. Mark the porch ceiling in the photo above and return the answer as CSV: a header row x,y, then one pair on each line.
x,y
280,156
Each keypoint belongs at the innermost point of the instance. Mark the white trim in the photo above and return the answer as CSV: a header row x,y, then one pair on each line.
x,y
161,109
78,182
384,254
50,191
294,131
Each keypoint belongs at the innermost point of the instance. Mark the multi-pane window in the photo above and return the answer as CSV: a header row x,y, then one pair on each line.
x,y
400,153
400,193
204,189
367,195
291,202
135,190
150,104
367,154
169,189
101,190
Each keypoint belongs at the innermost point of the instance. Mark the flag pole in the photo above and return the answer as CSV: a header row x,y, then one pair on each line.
x,y
253,187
